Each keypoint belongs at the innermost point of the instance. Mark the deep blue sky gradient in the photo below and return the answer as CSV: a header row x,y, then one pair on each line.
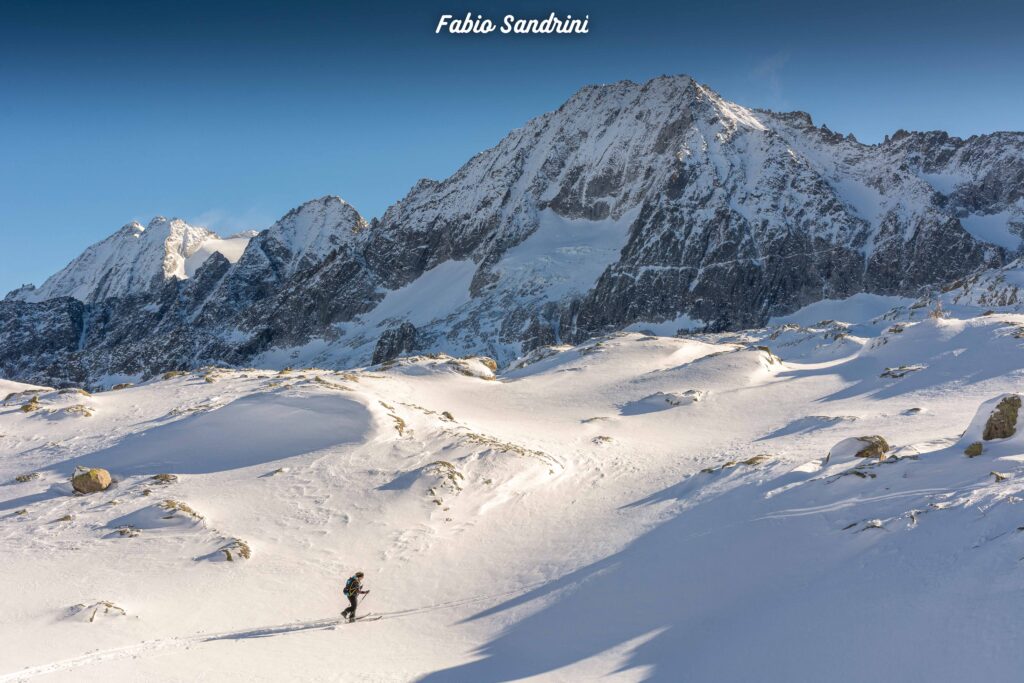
x,y
230,113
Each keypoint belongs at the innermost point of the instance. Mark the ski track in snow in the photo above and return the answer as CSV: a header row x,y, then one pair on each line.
x,y
179,642
852,502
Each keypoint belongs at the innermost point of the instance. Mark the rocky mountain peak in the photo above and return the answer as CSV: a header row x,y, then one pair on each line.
x,y
304,236
633,204
133,259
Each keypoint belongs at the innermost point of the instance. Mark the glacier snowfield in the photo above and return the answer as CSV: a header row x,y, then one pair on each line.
x,y
635,508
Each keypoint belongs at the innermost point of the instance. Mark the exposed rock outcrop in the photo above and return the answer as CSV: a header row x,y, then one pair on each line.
x,y
1002,423
395,342
859,447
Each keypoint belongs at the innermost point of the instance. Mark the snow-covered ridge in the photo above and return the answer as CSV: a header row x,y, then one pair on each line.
x,y
135,259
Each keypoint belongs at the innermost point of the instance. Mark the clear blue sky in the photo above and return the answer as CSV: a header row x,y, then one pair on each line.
x,y
230,113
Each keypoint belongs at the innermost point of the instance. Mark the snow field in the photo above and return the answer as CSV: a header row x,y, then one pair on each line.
x,y
539,524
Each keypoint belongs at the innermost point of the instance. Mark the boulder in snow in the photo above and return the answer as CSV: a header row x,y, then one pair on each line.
x,y
901,371
79,410
32,405
662,401
483,367
174,507
90,479
994,428
448,475
859,447
236,549
770,357
90,612
1002,423
686,398
750,462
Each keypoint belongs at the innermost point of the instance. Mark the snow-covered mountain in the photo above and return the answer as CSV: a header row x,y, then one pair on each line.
x,y
654,204
303,238
136,259
633,508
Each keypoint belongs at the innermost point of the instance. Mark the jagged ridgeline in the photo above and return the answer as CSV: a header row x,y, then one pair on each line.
x,y
630,204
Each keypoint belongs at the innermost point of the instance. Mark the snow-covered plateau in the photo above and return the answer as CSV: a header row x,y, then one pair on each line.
x,y
634,508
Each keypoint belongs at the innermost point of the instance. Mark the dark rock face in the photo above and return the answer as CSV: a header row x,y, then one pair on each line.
x,y
394,342
39,341
631,203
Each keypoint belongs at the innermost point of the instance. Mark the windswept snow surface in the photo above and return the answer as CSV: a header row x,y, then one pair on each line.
x,y
540,525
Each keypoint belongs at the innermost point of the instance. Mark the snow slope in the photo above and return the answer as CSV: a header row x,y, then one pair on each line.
x,y
633,508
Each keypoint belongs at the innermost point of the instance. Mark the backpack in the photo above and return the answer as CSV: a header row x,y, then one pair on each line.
x,y
352,586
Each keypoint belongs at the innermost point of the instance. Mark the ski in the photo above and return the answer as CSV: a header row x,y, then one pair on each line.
x,y
366,617
370,617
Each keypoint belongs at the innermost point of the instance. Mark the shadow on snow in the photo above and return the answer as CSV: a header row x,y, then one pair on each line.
x,y
724,591
249,431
